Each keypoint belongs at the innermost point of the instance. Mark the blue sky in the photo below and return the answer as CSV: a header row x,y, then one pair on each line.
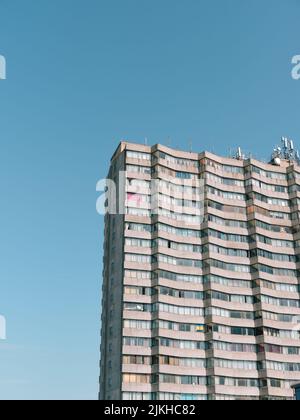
x,y
82,75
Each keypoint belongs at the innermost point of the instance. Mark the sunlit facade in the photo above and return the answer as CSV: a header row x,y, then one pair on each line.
x,y
201,302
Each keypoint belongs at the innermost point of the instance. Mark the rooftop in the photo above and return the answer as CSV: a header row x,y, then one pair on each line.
x,y
282,156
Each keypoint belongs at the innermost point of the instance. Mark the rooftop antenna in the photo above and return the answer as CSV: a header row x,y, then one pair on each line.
x,y
239,154
191,146
287,151
146,141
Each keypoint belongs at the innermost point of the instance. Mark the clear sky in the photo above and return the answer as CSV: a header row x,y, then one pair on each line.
x,y
82,75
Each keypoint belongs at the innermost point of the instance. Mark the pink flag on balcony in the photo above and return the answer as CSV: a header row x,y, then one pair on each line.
x,y
134,198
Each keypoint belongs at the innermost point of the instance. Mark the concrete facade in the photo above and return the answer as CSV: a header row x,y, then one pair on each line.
x,y
201,301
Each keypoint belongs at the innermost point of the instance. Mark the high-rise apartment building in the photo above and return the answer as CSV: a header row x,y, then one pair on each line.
x,y
200,290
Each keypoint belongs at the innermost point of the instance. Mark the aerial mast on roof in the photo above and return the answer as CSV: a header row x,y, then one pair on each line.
x,y
286,151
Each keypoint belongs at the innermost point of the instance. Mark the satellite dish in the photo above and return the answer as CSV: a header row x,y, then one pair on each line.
x,y
277,161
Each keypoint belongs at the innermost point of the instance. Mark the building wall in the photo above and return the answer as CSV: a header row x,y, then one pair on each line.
x,y
204,302
298,393
112,294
